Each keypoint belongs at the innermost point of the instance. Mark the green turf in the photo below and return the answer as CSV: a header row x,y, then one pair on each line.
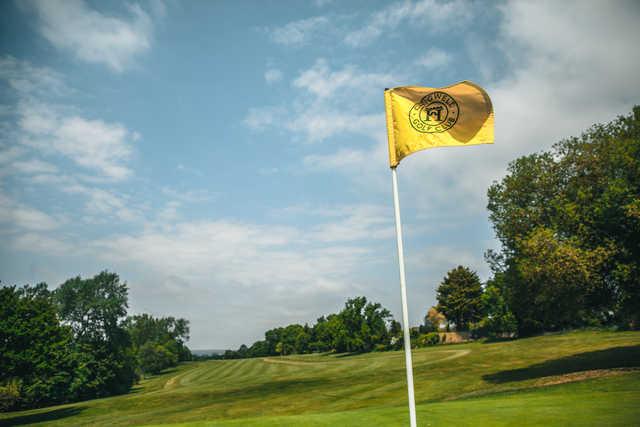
x,y
516,383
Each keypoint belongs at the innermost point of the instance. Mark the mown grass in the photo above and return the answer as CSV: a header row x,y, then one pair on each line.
x,y
579,378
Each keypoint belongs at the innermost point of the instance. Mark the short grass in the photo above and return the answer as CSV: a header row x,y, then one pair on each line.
x,y
578,378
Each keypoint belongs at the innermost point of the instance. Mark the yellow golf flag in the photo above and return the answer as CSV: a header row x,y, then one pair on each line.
x,y
424,117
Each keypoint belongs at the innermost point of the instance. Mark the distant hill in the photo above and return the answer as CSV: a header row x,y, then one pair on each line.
x,y
207,352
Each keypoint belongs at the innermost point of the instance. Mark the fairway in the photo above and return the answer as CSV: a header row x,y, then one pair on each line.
x,y
578,378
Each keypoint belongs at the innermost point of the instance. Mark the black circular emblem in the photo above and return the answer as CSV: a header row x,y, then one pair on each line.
x,y
436,112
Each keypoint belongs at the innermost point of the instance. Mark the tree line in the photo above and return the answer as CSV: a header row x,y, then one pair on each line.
x,y
361,326
76,342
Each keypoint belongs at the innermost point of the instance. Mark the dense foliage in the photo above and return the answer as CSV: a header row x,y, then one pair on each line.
x,y
569,223
36,357
360,326
158,342
74,343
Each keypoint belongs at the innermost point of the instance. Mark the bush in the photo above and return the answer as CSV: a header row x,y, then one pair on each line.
x,y
479,329
432,338
380,347
9,395
493,327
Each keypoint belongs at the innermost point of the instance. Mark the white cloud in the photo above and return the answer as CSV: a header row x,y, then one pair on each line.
x,y
430,15
434,59
299,33
342,159
359,222
272,75
39,243
187,196
34,166
322,82
19,216
93,144
330,110
236,254
320,124
262,118
92,36
28,80
9,154
103,205
190,170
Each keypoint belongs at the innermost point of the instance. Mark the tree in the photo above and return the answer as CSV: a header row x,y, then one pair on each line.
x,y
459,297
157,336
154,357
365,325
499,320
94,308
555,279
36,364
581,198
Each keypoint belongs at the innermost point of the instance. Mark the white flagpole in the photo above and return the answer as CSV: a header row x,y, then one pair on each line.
x,y
405,311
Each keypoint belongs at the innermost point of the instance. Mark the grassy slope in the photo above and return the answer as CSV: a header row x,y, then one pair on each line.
x,y
508,383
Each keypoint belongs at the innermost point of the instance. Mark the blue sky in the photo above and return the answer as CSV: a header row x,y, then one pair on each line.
x,y
228,159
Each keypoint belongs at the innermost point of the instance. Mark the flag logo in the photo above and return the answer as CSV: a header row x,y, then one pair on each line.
x,y
436,112
425,117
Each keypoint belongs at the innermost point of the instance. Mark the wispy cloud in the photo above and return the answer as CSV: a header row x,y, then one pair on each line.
x,y
33,166
187,196
260,118
355,223
19,216
434,59
431,15
272,75
298,33
40,243
93,144
92,36
329,102
323,82
28,80
104,205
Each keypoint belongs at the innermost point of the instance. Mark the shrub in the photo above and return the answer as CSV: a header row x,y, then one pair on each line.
x,y
432,338
9,395
380,347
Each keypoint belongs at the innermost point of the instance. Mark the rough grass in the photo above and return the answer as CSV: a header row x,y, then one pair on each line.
x,y
579,378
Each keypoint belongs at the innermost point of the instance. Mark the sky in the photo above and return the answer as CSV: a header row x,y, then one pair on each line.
x,y
229,159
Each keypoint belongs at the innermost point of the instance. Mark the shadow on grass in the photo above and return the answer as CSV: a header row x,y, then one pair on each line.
x,y
492,340
616,357
41,417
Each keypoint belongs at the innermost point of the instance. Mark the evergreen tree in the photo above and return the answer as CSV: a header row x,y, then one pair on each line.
x,y
459,297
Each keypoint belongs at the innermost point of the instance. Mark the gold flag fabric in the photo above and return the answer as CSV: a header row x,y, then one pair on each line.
x,y
422,117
